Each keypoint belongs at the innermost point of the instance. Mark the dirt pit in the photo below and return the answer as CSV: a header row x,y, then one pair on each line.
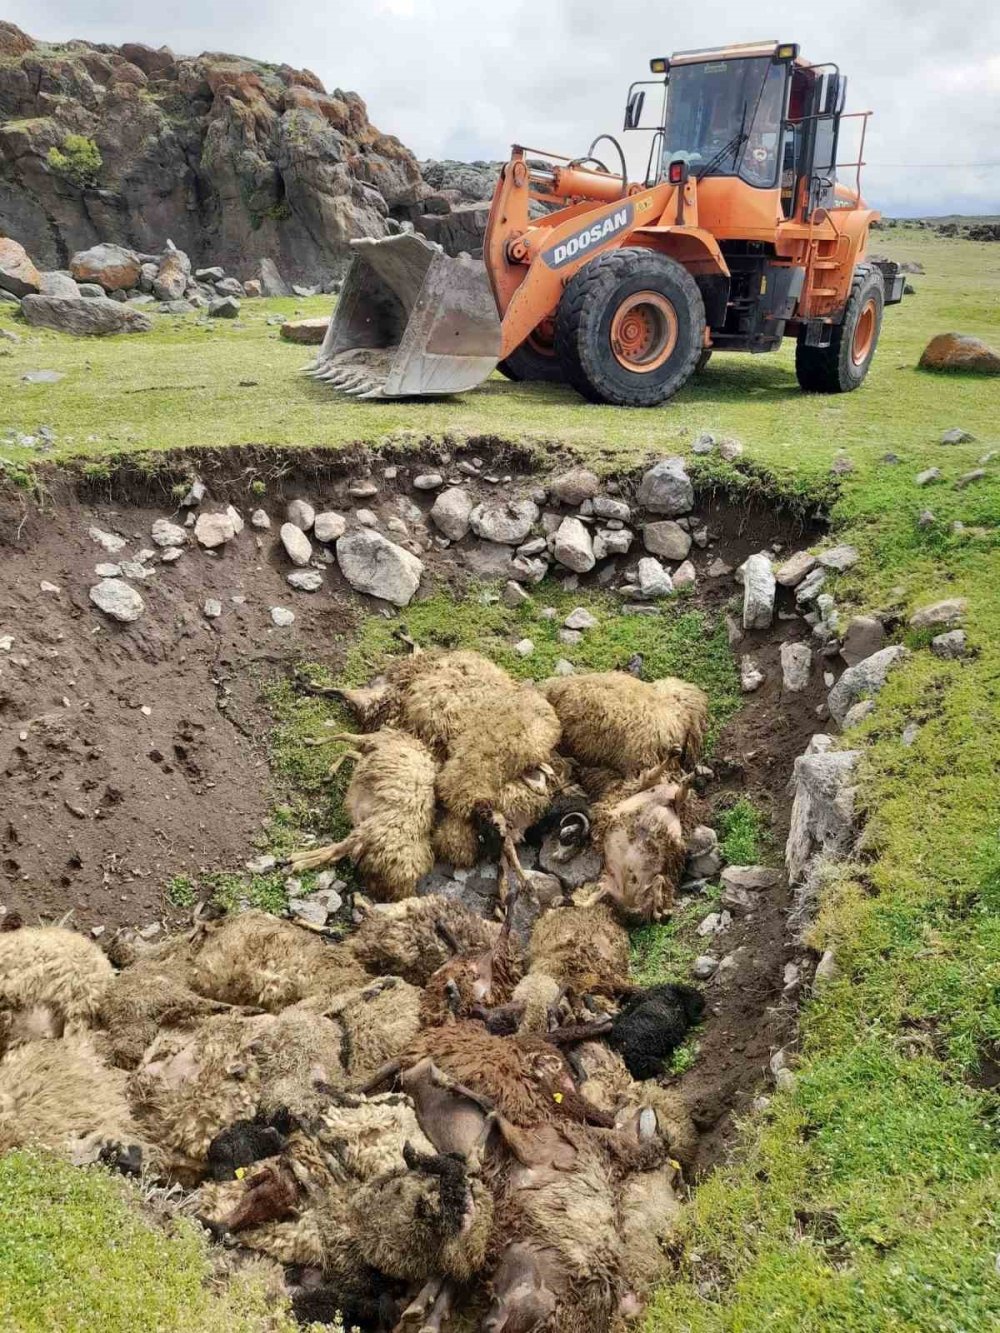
x,y
133,754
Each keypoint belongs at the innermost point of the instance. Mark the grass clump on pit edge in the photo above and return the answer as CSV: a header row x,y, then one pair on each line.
x,y
78,1253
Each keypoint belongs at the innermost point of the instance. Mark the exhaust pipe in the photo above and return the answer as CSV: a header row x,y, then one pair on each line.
x,y
411,322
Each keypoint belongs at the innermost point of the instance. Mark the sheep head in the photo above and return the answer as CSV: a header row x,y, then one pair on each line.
x,y
643,834
526,1289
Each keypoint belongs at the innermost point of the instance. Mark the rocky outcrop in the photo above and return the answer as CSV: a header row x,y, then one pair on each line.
x,y
960,352
234,159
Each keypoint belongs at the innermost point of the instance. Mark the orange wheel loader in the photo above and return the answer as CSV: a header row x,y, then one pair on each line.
x,y
740,236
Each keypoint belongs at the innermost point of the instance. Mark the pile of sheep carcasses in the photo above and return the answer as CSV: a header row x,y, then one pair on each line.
x,y
436,1122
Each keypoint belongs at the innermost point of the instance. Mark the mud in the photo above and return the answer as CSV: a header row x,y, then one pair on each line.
x,y
131,754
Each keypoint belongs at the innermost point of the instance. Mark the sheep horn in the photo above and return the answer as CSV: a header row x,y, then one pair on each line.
x,y
442,929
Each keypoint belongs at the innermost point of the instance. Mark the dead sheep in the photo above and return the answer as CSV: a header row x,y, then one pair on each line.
x,y
584,949
256,959
390,802
641,828
51,980
377,1023
414,938
651,1025
479,979
191,1085
614,724
486,730
62,1096
139,1002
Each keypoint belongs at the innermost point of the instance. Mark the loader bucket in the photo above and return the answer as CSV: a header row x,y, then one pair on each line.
x,y
410,322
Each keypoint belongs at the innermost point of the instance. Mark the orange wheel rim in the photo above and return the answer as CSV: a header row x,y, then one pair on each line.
x,y
644,332
543,338
864,335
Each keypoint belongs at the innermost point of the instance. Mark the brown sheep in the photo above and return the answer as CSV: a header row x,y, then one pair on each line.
x,y
584,949
256,959
62,1096
51,980
613,722
139,1002
377,1023
641,828
415,937
390,803
480,979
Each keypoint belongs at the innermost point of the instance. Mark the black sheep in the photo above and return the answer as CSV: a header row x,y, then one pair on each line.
x,y
648,1028
247,1141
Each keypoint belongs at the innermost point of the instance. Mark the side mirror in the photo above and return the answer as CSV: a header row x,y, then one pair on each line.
x,y
633,109
834,95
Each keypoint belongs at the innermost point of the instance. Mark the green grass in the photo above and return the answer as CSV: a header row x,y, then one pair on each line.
x,y
664,951
77,1254
742,835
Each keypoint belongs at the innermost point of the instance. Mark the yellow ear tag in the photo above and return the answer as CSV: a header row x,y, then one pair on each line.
x,y
240,1172
674,1163
557,1096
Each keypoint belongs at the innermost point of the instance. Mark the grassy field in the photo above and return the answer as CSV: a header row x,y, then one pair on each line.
x,y
863,1198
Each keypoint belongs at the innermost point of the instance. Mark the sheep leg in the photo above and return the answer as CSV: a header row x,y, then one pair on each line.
x,y
442,1080
510,862
402,635
431,1307
569,1035
385,1075
314,858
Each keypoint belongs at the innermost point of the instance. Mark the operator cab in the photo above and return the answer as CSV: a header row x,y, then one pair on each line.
x,y
757,113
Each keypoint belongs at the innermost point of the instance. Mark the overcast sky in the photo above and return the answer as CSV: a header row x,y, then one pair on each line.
x,y
460,78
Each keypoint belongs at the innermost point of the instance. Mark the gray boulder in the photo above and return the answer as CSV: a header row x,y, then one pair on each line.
x,y
667,489
117,600
796,666
227,307
575,486
667,539
863,680
864,635
823,821
758,592
271,281
374,565
508,521
572,546
297,545
77,315
452,511
57,284
952,644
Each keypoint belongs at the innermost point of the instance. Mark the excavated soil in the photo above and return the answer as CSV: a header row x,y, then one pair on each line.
x,y
133,753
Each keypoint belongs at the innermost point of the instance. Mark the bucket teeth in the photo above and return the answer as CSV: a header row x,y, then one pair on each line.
x,y
363,389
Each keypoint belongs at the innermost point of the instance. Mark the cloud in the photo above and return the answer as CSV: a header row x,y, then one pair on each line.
x,y
463,78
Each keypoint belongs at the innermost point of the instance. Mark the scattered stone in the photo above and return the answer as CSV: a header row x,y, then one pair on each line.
x,y
9,336
826,970
713,924
737,900
611,543
866,678
524,647
305,332
110,541
106,571
362,489
948,612
796,666
508,522
606,507
839,558
730,450
579,619
42,377
428,481
926,477
564,668
452,511
309,910
18,274
117,600
305,580
718,569
302,514
297,546
374,565
755,878
112,267
758,592
329,526
533,547
952,644
734,631
572,546
704,966
212,530
958,351
842,466
514,595
684,575
46,586
704,444
570,637
667,539
252,289
654,580
195,495
53,284
967,478
282,617
957,436
785,1081
809,589
171,555
572,868
667,489
751,676
574,486
226,307
366,517
857,713
910,733
165,533
212,608
260,520
864,635
82,317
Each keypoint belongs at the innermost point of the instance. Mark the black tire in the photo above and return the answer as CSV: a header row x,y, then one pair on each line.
x,y
703,361
587,311
836,368
526,363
